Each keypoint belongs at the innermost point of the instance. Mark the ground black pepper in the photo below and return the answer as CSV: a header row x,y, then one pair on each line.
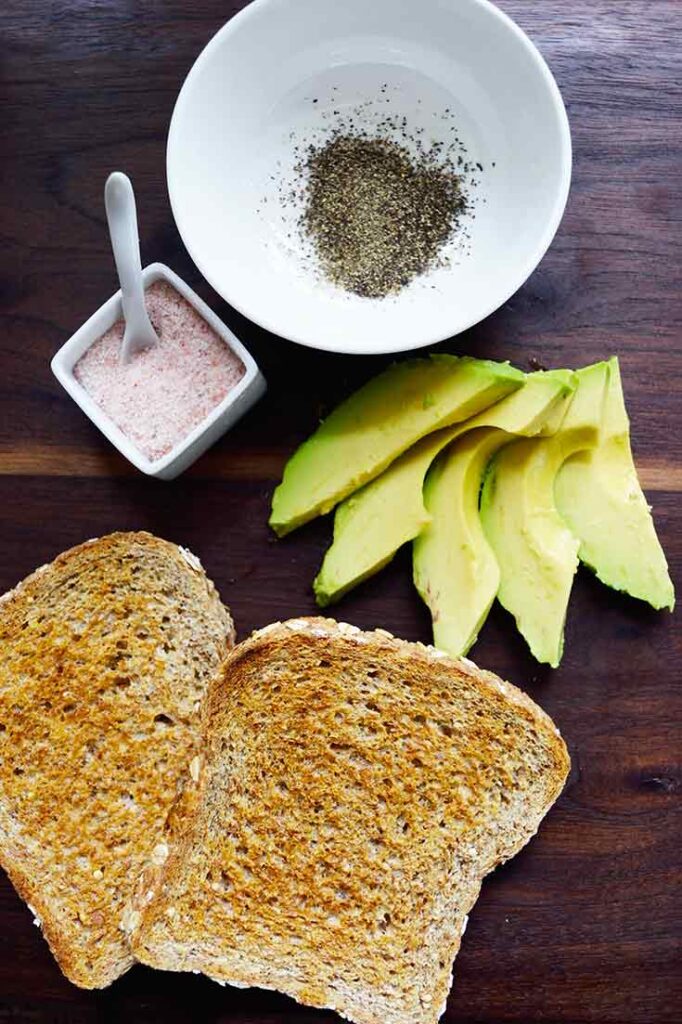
x,y
377,214
372,201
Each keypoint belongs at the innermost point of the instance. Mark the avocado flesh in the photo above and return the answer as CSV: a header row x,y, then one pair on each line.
x,y
598,494
455,569
375,425
373,523
536,552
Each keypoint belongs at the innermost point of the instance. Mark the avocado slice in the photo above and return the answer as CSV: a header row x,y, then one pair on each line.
x,y
598,494
536,552
370,429
373,523
454,567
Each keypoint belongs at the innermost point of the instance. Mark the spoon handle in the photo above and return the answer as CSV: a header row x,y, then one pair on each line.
x,y
119,201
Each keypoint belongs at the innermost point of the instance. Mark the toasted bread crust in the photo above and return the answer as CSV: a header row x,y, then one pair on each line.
x,y
353,792
91,672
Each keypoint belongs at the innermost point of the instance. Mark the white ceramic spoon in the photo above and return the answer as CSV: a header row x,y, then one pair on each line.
x,y
119,200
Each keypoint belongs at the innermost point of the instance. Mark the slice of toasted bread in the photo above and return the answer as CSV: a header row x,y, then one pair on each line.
x,y
353,792
106,656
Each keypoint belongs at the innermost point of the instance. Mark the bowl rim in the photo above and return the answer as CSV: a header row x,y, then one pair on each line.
x,y
526,268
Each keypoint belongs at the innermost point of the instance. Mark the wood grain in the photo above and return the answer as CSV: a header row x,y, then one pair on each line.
x,y
584,927
238,464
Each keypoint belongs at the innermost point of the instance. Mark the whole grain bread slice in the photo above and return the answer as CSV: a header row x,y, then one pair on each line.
x,y
106,655
353,791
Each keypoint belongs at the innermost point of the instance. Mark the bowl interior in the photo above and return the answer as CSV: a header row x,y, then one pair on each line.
x,y
282,73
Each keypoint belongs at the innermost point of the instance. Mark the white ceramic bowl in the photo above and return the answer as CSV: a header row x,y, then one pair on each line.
x,y
238,400
276,73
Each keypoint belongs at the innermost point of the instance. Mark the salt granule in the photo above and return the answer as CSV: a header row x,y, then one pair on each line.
x,y
163,393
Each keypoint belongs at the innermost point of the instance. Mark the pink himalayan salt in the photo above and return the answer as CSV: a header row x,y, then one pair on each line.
x,y
163,393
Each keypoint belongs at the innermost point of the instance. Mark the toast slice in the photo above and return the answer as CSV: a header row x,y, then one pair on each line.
x,y
106,656
353,791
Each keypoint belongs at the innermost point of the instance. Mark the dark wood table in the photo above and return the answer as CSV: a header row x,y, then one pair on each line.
x,y
585,925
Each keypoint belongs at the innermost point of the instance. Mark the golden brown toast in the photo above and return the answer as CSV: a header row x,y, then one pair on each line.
x,y
106,655
353,791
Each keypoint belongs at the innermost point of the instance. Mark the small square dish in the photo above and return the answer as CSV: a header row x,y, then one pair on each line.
x,y
239,397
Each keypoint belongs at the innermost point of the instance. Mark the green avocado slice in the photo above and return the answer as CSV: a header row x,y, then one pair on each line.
x,y
599,495
373,523
536,552
372,427
455,569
